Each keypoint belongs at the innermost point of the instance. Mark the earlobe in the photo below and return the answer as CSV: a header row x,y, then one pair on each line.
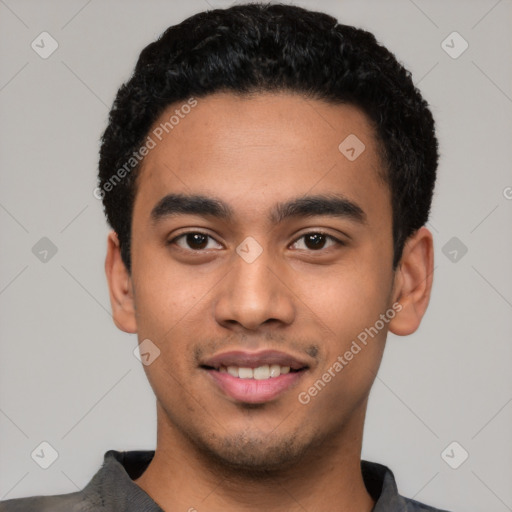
x,y
413,282
120,287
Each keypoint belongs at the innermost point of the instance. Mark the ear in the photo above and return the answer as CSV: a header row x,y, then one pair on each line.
x,y
413,282
120,287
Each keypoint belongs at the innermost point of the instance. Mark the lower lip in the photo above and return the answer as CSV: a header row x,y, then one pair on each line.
x,y
254,391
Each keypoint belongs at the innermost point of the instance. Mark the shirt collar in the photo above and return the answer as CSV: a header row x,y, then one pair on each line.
x,y
113,486
114,481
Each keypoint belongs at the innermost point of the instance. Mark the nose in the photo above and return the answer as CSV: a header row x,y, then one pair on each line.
x,y
254,295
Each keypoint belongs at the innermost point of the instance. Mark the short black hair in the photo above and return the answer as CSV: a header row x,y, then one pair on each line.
x,y
259,47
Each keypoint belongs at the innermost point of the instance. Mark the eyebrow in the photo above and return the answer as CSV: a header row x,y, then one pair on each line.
x,y
332,205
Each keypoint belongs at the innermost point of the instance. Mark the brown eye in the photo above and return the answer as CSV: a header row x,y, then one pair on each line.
x,y
315,241
194,240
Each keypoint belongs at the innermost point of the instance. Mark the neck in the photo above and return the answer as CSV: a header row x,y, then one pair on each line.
x,y
181,478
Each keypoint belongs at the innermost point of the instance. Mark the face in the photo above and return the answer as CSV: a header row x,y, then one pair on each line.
x,y
260,254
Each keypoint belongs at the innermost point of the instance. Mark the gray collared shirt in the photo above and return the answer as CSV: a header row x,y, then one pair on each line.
x,y
112,490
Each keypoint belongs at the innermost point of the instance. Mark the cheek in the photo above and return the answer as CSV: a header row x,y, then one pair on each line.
x,y
347,298
165,293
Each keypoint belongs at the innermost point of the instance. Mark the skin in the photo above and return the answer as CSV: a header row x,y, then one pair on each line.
x,y
215,453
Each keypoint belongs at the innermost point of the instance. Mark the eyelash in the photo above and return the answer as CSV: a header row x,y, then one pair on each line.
x,y
326,235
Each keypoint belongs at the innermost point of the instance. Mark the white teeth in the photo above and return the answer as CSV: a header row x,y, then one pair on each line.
x,y
275,370
245,373
263,372
233,370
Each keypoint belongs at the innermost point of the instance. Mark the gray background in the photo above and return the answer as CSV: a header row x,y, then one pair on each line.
x,y
70,378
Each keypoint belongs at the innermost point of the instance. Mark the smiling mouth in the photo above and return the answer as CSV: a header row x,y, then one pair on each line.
x,y
254,377
263,372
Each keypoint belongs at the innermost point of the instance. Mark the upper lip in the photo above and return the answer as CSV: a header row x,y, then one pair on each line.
x,y
246,359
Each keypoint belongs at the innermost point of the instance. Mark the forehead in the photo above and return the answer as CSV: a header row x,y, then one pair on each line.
x,y
256,150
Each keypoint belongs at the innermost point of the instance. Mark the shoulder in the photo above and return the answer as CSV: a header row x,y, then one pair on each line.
x,y
111,488
380,483
72,502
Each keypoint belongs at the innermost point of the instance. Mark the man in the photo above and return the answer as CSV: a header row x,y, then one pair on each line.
x,y
267,173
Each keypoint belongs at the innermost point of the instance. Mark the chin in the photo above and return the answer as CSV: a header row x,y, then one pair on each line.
x,y
256,455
